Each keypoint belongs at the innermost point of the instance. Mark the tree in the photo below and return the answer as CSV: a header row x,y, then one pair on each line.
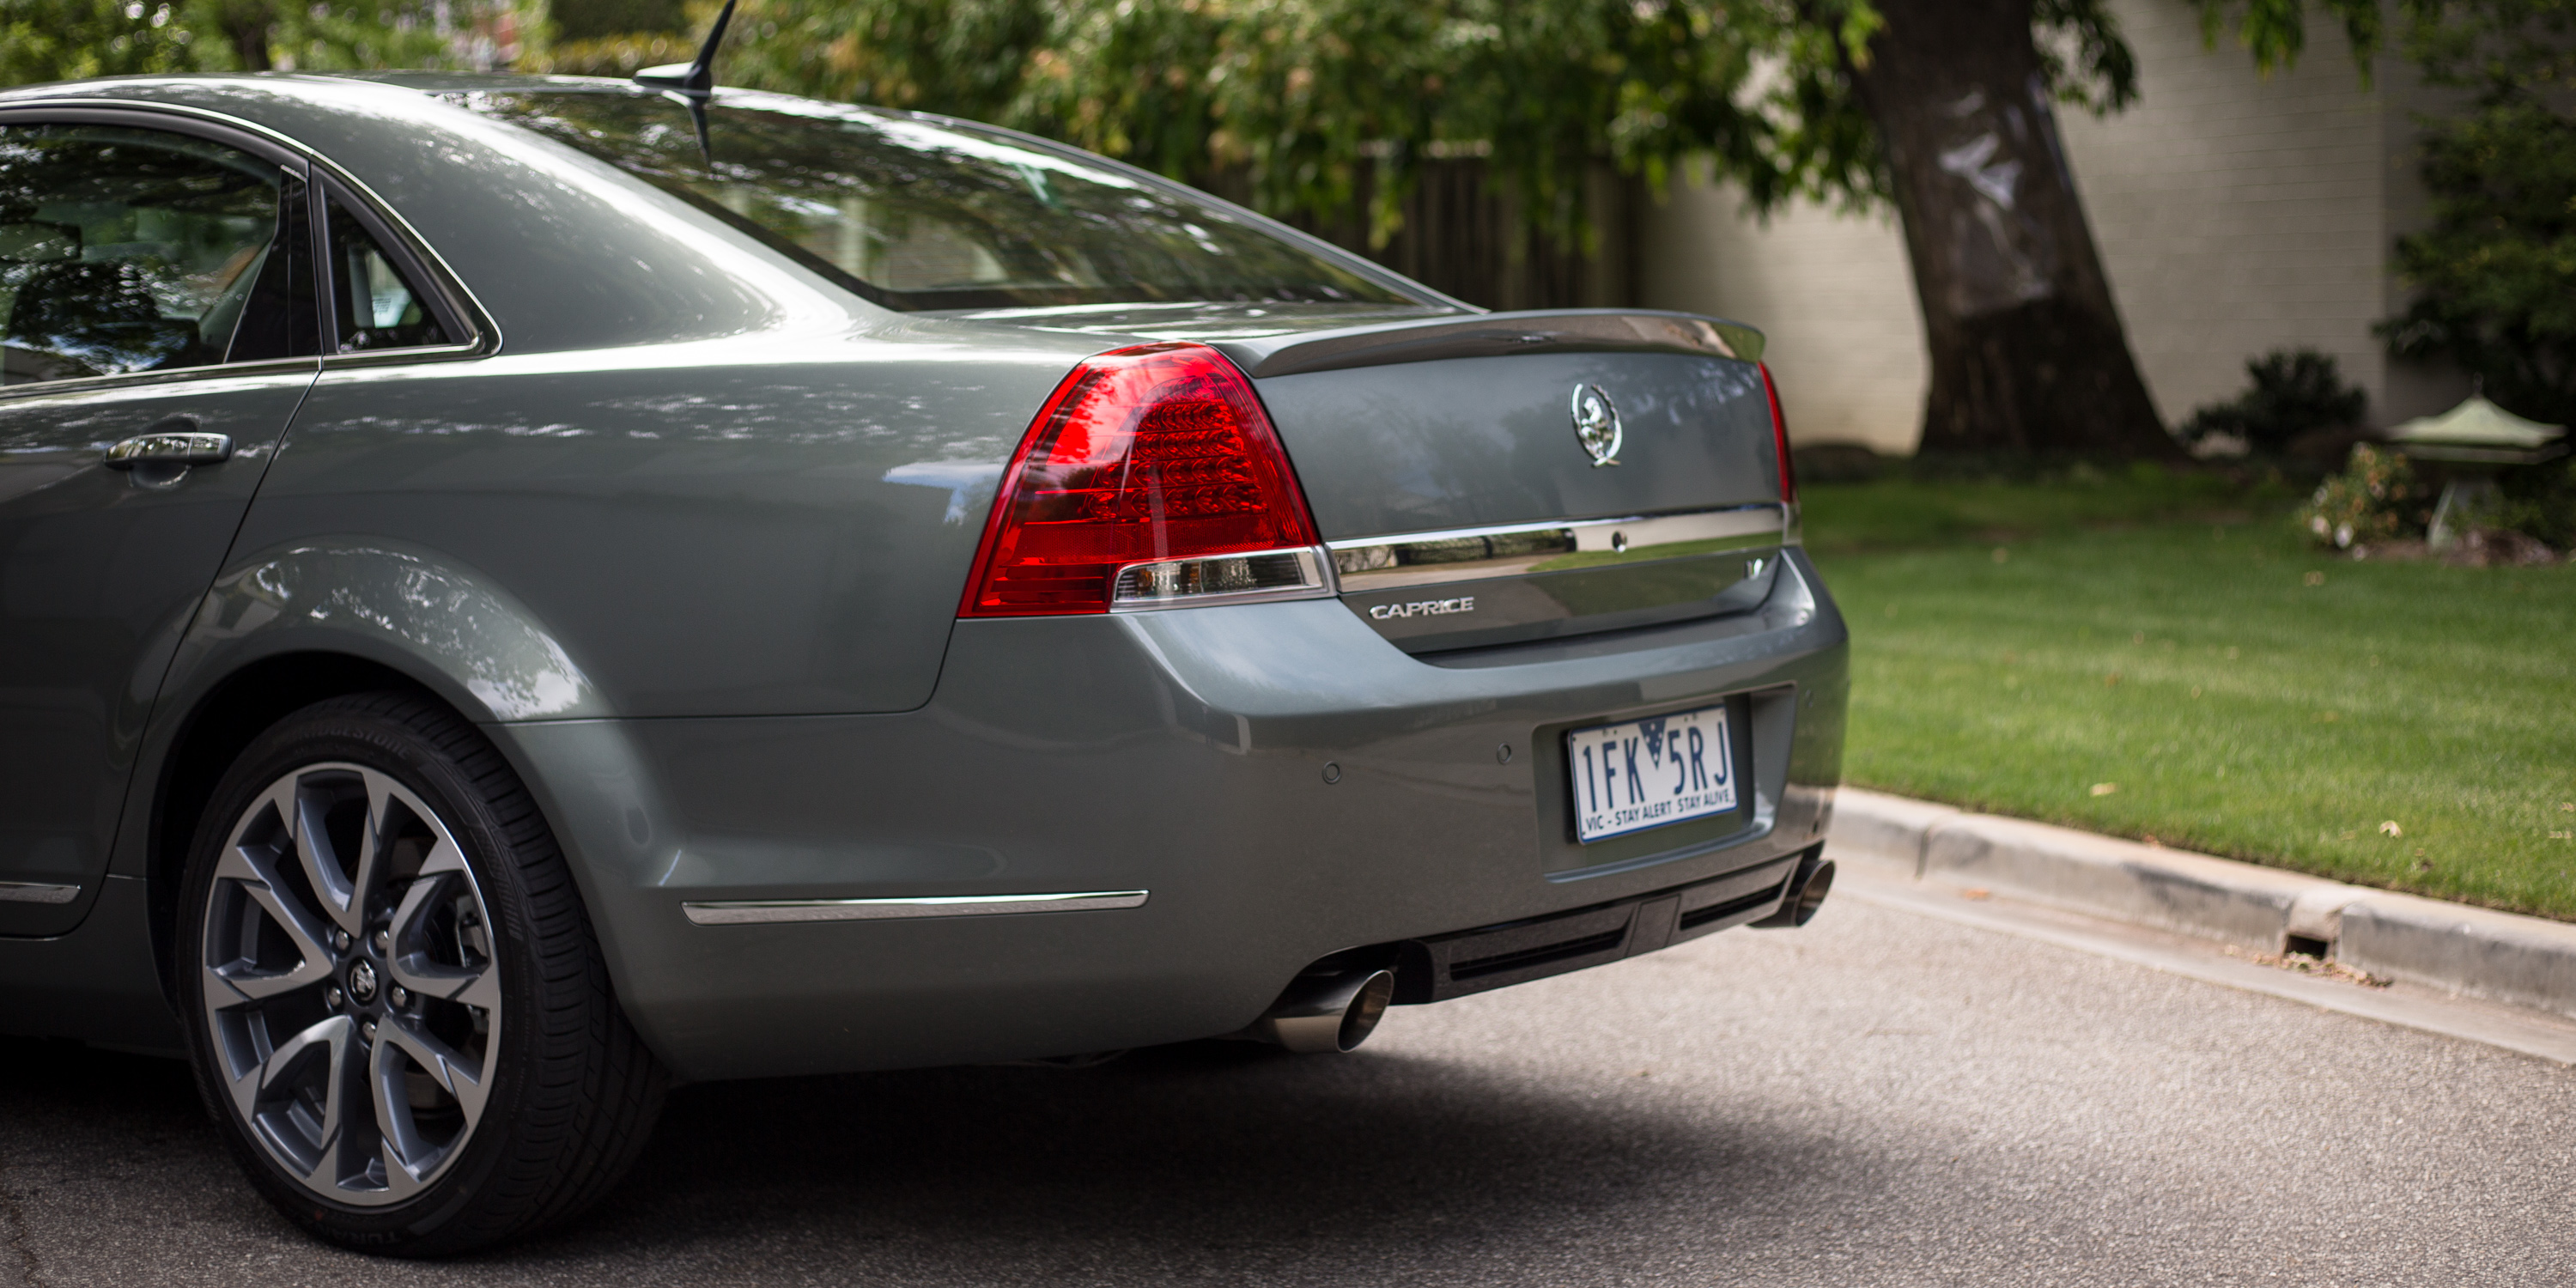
x,y
2026,348
2495,274
1944,108
44,40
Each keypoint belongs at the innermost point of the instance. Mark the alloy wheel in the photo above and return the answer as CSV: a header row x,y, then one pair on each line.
x,y
350,984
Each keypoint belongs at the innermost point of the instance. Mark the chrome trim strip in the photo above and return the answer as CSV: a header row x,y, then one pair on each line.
x,y
309,364
744,912
1385,563
37,892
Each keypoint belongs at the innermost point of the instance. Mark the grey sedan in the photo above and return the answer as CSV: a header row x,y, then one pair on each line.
x,y
515,591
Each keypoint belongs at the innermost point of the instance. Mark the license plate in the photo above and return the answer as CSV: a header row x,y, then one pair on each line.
x,y
1647,773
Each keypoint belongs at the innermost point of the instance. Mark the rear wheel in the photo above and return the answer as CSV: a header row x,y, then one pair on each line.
x,y
398,1010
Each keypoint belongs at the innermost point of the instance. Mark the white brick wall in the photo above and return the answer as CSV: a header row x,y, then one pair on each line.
x,y
1831,293
2235,214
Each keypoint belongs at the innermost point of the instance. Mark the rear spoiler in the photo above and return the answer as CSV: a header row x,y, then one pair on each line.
x,y
1487,335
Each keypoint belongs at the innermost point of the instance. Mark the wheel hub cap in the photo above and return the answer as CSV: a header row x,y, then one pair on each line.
x,y
362,983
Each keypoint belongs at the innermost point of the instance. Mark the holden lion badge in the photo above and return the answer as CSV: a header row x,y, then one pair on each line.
x,y
1596,424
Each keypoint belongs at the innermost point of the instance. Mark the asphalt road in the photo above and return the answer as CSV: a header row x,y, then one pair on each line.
x,y
1880,1099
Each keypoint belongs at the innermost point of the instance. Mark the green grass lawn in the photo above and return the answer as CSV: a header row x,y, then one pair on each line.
x,y
2237,691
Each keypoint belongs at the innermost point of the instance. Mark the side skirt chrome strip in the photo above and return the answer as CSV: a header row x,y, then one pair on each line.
x,y
744,912
35,892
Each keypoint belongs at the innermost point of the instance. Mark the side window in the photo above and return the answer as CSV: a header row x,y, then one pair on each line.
x,y
375,306
127,250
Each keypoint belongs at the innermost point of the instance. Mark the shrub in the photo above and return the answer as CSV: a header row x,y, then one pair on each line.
x,y
2376,498
2539,501
2294,392
2494,275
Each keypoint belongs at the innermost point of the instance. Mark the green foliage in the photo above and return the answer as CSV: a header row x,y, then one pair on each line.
x,y
357,34
2376,498
1314,100
2495,275
621,55
2294,391
587,20
44,40
2539,501
2275,32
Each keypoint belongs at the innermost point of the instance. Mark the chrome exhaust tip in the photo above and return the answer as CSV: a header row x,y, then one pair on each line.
x,y
1327,1013
1807,889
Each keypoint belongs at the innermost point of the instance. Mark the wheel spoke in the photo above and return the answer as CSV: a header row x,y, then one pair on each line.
x,y
371,841
407,1157
249,987
411,965
321,859
449,1068
252,870
327,1040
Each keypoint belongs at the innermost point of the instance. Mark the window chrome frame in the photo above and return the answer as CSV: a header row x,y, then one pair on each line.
x,y
319,173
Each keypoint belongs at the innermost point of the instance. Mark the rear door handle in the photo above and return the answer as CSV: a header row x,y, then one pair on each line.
x,y
175,441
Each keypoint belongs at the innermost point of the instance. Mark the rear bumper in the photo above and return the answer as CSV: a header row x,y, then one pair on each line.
x,y
1181,753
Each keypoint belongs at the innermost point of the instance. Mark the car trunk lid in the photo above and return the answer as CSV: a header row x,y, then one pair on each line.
x,y
1507,477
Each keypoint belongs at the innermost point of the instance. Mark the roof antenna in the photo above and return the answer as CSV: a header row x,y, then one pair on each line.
x,y
693,83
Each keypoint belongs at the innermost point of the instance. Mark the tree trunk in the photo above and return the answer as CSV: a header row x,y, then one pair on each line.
x,y
246,25
2026,346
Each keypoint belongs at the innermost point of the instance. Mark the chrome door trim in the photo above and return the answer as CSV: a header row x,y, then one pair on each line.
x,y
743,912
1434,558
309,364
37,892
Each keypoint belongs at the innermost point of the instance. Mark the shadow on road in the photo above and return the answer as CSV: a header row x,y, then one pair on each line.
x,y
1189,1159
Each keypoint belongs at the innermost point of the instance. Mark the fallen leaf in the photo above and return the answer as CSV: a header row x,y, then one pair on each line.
x,y
2316,579
2389,827
2002,554
1975,892
2105,789
2111,681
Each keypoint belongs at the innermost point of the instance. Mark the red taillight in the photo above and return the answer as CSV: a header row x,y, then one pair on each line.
x,y
1780,438
1145,455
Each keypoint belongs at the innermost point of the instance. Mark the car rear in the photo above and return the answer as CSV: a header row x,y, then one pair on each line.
x,y
1311,625
1460,651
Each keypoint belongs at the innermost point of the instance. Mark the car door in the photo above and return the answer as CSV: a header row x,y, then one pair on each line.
x,y
158,329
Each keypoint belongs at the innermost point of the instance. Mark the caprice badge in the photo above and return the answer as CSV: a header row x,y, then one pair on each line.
x,y
1596,424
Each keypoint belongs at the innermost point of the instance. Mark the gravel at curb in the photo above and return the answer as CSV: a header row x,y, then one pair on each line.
x,y
2521,961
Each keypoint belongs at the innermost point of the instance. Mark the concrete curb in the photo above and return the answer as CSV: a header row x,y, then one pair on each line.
x,y
2522,961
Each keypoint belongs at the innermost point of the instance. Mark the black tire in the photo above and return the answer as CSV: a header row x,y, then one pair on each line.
x,y
568,1093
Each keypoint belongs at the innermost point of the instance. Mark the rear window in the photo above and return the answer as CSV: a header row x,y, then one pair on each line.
x,y
917,214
